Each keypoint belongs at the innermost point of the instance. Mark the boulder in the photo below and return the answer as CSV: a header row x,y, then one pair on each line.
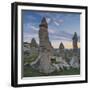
x,y
74,62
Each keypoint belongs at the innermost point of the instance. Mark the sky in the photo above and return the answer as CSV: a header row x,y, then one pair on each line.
x,y
61,26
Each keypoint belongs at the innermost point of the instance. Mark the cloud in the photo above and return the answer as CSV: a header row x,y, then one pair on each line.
x,y
27,37
30,28
56,34
52,18
30,35
51,31
49,20
61,21
61,35
56,23
34,28
55,20
30,17
58,37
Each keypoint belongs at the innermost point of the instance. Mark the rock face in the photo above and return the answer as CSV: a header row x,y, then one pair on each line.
x,y
62,63
75,62
33,43
61,46
43,61
33,47
61,50
75,40
43,37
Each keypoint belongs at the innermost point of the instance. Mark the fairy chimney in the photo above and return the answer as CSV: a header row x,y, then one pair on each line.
x,y
61,50
44,37
75,40
33,43
43,62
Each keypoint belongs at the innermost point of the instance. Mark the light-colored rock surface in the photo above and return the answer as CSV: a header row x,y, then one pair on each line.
x,y
45,63
74,62
61,64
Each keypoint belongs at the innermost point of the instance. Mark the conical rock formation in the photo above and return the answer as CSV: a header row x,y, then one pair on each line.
x,y
46,50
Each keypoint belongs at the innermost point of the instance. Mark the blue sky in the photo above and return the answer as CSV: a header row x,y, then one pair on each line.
x,y
61,26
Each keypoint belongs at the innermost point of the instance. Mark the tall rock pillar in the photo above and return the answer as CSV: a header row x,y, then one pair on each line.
x,y
75,59
44,37
43,62
61,50
75,40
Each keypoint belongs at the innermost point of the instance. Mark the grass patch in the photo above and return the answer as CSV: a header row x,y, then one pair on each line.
x,y
30,72
31,58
